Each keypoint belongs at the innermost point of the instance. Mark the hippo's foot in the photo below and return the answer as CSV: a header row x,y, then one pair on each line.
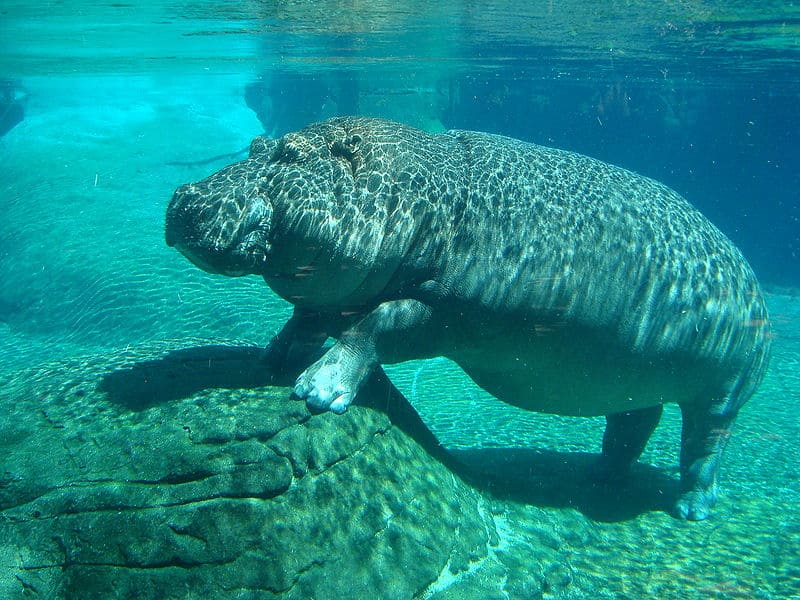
x,y
695,505
332,382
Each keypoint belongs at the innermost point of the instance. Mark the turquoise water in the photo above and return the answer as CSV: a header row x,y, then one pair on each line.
x,y
109,107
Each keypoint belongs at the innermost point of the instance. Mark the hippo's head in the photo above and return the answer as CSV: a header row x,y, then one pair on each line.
x,y
309,211
222,223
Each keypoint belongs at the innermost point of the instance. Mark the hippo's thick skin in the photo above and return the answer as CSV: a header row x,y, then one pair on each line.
x,y
557,282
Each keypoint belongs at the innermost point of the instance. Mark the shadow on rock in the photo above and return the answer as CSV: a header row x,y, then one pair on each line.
x,y
180,373
531,476
559,479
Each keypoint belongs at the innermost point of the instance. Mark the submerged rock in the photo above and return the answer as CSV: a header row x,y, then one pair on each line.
x,y
169,478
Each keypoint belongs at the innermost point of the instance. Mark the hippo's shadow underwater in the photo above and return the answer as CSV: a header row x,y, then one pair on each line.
x,y
535,476
558,283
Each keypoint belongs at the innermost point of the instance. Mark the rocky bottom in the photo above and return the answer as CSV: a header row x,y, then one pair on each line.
x,y
190,473
157,477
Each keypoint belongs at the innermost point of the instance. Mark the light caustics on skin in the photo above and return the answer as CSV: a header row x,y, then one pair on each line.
x,y
558,283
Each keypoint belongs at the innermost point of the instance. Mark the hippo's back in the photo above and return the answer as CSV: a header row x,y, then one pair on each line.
x,y
571,240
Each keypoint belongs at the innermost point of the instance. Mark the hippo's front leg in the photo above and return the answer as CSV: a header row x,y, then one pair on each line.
x,y
298,342
394,331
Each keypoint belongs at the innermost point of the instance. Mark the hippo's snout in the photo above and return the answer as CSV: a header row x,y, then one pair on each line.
x,y
174,230
220,234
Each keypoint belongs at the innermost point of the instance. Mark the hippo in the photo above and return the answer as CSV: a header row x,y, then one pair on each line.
x,y
558,283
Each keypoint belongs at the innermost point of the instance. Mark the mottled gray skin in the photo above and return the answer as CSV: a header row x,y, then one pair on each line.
x,y
557,282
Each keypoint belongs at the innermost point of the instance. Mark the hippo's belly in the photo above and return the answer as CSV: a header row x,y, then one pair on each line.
x,y
569,371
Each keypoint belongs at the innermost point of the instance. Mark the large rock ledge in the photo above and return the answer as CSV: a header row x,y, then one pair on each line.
x,y
183,475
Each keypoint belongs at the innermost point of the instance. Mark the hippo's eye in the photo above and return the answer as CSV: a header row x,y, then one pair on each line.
x,y
290,149
287,153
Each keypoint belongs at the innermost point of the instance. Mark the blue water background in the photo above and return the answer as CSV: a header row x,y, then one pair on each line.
x,y
105,108
703,96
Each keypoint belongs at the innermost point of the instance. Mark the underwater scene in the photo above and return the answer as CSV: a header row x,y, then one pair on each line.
x,y
399,300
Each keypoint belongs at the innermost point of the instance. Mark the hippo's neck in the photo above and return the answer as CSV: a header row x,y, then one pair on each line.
x,y
425,203
349,250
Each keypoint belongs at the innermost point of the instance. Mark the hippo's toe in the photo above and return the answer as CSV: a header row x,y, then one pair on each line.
x,y
331,383
695,505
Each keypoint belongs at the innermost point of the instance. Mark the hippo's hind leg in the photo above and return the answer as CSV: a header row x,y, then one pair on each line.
x,y
706,430
394,331
624,441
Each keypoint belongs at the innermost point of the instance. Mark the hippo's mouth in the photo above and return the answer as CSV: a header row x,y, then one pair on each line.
x,y
245,258
227,236
253,251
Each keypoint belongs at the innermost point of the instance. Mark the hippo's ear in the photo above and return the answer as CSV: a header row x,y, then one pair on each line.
x,y
349,149
262,146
